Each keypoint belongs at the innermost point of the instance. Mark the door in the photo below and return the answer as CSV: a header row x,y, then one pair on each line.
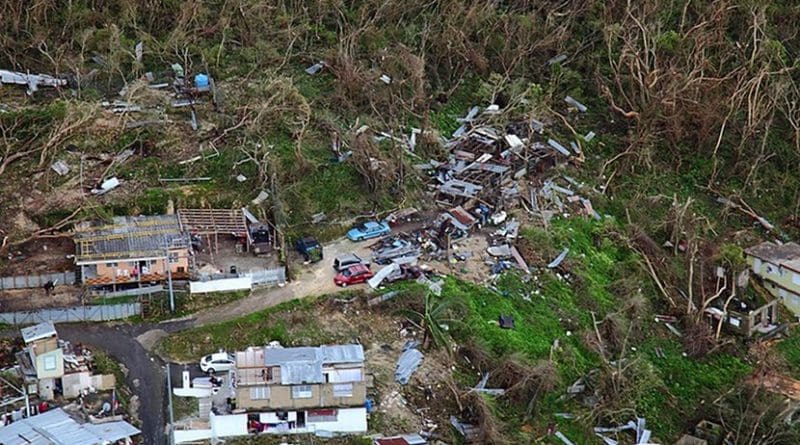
x,y
301,419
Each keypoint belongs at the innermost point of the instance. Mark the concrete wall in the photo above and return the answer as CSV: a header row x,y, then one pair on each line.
x,y
125,268
224,285
781,282
322,395
55,357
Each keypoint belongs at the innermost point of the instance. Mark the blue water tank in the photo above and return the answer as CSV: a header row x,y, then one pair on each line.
x,y
201,80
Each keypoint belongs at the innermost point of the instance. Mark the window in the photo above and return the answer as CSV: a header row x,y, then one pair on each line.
x,y
796,278
113,265
321,415
173,258
259,393
301,392
343,390
50,363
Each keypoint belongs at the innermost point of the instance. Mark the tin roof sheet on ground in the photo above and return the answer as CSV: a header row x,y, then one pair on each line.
x,y
55,427
129,237
38,332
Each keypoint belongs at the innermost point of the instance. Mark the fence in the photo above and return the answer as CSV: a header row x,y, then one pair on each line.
x,y
259,277
267,277
31,281
78,313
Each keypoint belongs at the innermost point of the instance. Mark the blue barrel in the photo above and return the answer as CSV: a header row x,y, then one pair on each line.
x,y
201,80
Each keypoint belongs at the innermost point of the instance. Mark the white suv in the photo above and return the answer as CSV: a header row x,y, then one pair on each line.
x,y
217,362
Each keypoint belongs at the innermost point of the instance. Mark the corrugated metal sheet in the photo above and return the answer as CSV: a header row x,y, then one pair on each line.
x,y
39,331
72,314
408,362
304,364
130,237
34,281
55,427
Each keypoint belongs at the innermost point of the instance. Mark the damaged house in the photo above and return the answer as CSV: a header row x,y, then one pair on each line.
x,y
275,390
304,389
132,250
778,268
49,365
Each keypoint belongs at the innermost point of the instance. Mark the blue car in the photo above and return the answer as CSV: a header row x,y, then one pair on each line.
x,y
367,230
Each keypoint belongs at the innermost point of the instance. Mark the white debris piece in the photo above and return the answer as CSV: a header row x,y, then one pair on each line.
x,y
557,59
60,167
107,186
262,196
553,264
560,148
139,50
513,141
33,81
581,107
241,178
386,79
589,136
315,68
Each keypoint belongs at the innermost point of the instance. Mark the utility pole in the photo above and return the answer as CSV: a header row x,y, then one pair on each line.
x,y
169,408
169,282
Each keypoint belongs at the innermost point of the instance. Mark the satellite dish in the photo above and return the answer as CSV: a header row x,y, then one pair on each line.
x,y
106,407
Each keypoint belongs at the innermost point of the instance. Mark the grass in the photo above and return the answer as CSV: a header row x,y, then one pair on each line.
x,y
258,328
789,349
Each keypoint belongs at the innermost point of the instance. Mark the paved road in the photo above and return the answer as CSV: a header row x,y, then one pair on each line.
x,y
145,377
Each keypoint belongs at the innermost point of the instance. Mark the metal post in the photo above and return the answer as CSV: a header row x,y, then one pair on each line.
x,y
169,408
169,283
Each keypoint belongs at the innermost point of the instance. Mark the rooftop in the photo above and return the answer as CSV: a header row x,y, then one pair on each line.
x,y
304,364
129,237
55,427
38,332
777,253
213,221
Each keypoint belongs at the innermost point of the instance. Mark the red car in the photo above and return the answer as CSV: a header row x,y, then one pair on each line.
x,y
357,273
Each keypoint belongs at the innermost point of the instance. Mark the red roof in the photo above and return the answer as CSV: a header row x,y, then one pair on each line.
x,y
391,441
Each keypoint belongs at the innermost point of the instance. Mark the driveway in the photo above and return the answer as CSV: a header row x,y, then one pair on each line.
x,y
312,279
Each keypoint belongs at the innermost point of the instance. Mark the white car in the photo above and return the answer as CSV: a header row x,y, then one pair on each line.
x,y
217,362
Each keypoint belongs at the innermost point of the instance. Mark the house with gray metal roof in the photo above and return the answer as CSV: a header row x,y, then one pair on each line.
x,y
302,389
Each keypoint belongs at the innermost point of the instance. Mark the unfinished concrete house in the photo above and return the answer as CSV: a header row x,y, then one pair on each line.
x,y
132,250
778,268
56,427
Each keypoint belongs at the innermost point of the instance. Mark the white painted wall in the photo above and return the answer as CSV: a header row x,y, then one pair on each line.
x,y
224,285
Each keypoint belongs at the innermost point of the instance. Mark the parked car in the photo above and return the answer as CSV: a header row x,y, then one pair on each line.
x,y
357,273
346,260
310,248
367,230
217,362
406,272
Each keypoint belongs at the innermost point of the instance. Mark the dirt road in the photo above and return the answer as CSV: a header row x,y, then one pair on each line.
x,y
314,279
